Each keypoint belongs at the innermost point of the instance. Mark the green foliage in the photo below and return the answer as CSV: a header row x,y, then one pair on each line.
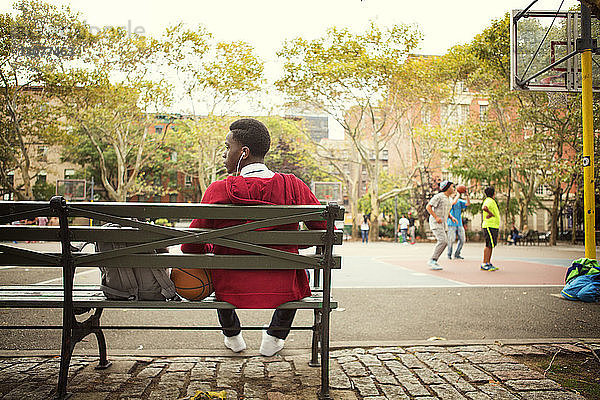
x,y
36,40
162,222
342,67
291,152
388,206
387,231
43,191
217,74
357,80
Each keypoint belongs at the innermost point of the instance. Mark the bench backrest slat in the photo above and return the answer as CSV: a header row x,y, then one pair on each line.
x,y
181,261
134,235
168,210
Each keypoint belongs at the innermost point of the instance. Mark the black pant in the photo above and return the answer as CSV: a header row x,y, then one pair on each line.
x,y
279,327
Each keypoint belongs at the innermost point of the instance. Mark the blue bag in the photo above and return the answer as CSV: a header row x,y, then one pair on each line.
x,y
582,266
584,287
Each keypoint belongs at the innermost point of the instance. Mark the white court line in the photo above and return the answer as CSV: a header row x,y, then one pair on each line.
x,y
462,286
381,261
60,279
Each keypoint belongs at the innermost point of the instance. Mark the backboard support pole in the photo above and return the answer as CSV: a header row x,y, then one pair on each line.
x,y
588,134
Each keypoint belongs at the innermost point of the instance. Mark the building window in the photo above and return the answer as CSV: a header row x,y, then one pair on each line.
x,y
188,180
425,115
41,178
384,155
174,156
447,115
69,173
158,129
542,190
483,110
454,114
173,198
42,153
464,113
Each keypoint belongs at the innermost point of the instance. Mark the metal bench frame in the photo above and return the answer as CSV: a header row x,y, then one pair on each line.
x,y
75,300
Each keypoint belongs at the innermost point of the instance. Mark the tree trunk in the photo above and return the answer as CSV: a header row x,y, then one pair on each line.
x,y
374,230
353,202
507,209
575,224
554,216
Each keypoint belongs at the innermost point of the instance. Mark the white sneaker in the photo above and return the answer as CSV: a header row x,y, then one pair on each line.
x,y
270,344
433,264
235,343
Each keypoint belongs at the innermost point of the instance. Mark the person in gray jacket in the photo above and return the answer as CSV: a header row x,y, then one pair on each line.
x,y
439,211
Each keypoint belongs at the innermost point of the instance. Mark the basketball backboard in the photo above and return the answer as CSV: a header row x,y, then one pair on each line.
x,y
544,54
71,189
327,192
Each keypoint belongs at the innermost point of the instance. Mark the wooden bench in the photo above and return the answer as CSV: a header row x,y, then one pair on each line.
x,y
140,236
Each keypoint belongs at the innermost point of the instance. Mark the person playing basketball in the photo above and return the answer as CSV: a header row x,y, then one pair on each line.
x,y
491,226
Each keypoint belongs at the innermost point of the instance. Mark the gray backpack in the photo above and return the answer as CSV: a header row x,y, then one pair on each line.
x,y
125,283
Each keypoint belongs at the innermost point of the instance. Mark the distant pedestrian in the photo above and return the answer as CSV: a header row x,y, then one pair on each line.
x,y
456,229
403,225
439,211
491,226
411,228
514,236
364,229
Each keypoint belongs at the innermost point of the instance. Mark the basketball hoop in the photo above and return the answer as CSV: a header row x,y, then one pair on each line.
x,y
71,189
327,192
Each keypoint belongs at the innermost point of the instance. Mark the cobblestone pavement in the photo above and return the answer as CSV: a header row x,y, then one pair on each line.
x,y
475,372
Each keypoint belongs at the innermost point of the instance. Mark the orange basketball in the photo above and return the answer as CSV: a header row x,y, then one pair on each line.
x,y
461,188
192,284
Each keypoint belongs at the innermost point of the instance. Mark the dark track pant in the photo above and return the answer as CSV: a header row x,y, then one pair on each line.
x,y
279,327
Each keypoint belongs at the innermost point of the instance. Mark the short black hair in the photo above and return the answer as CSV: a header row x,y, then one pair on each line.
x,y
489,191
253,134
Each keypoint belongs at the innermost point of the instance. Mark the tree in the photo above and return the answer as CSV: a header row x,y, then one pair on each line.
x,y
557,135
199,143
291,152
39,40
111,106
351,77
215,75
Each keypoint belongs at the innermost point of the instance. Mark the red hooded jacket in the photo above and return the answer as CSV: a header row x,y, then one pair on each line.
x,y
256,288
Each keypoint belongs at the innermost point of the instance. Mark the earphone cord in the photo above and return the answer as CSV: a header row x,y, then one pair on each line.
x,y
237,169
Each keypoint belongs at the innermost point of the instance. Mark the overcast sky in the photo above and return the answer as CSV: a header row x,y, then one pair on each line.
x,y
267,23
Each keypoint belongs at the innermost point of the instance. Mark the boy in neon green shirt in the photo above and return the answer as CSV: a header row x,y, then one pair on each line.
x,y
491,226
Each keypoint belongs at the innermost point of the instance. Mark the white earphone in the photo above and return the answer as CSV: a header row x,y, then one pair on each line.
x,y
237,169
